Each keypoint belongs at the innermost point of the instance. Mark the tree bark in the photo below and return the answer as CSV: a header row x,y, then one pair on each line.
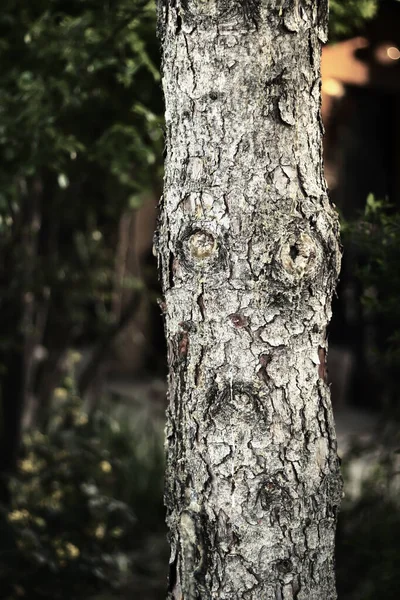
x,y
249,256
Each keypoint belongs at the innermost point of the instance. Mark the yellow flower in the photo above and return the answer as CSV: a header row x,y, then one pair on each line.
x,y
105,466
100,531
81,419
75,357
18,515
60,393
27,465
72,550
57,495
40,522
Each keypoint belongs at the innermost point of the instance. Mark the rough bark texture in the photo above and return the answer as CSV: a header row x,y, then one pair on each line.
x,y
248,246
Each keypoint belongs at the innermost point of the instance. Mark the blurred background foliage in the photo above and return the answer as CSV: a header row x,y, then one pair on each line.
x,y
367,541
372,242
345,17
80,141
86,515
81,145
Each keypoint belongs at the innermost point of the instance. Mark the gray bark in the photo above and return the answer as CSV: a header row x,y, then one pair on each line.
x,y
249,256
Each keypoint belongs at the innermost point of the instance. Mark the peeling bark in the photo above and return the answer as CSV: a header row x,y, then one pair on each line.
x,y
249,256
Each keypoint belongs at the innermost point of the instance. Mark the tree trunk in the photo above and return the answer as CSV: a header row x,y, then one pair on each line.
x,y
249,253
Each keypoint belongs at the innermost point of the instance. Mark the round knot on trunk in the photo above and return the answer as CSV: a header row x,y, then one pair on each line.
x,y
202,245
201,249
299,255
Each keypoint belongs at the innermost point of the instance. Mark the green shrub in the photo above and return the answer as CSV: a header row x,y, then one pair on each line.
x,y
83,499
372,244
368,550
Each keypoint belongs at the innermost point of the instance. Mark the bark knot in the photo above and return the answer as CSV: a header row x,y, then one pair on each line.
x,y
236,398
200,249
202,245
298,255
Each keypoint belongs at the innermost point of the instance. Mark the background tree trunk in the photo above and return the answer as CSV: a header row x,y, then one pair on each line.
x,y
248,246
